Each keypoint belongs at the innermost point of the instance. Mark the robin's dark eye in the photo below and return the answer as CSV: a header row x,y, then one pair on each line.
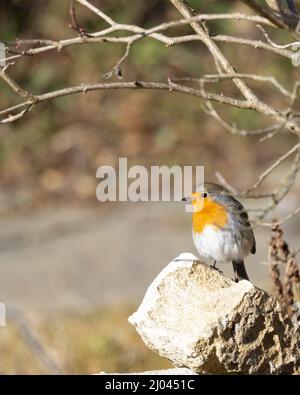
x,y
204,195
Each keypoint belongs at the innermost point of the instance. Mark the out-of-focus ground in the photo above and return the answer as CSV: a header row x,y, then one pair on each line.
x,y
74,267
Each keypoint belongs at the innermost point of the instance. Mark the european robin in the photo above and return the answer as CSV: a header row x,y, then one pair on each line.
x,y
221,229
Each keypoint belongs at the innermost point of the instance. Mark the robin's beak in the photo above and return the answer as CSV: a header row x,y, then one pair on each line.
x,y
186,199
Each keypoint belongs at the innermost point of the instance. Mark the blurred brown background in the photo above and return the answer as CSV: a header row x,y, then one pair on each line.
x,y
72,269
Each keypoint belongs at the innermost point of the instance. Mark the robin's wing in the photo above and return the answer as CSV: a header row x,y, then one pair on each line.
x,y
243,220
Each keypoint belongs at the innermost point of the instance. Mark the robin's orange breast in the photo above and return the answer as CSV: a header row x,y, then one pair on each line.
x,y
208,212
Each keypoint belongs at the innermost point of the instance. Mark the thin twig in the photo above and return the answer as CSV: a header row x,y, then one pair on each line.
x,y
263,176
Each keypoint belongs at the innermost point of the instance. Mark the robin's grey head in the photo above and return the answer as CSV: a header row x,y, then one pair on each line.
x,y
208,189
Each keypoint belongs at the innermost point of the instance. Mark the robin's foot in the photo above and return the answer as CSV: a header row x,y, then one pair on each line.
x,y
216,268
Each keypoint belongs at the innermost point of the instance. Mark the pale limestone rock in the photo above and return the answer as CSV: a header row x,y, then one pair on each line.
x,y
197,318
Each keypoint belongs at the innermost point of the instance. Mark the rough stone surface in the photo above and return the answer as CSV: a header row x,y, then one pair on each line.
x,y
197,318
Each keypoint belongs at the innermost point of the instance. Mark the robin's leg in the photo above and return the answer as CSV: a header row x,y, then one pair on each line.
x,y
215,267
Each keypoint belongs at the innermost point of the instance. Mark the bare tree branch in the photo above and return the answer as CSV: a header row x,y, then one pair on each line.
x,y
243,93
264,175
85,88
281,13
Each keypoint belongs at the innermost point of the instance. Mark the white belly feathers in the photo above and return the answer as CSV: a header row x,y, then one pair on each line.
x,y
217,245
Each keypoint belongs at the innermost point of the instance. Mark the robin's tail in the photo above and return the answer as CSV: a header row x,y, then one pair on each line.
x,y
239,270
